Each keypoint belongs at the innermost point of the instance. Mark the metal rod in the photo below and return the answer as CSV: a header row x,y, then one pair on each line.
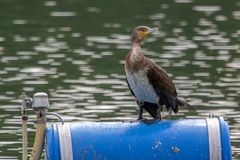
x,y
57,115
24,126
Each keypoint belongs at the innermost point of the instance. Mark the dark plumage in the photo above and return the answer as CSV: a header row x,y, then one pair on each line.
x,y
148,82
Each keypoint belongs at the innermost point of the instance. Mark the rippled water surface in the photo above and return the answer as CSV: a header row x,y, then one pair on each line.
x,y
75,50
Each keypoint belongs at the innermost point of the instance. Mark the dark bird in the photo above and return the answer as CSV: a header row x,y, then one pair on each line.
x,y
148,82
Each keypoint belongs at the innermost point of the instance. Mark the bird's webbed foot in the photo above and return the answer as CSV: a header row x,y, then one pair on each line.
x,y
146,121
150,121
138,120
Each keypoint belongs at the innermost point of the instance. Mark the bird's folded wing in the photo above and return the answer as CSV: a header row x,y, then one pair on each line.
x,y
160,81
163,86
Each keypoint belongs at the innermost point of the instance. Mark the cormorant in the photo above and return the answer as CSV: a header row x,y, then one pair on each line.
x,y
148,82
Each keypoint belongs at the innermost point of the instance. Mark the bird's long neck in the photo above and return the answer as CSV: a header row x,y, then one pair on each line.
x,y
136,52
134,58
136,44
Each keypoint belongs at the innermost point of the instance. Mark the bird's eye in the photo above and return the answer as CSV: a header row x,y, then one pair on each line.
x,y
142,30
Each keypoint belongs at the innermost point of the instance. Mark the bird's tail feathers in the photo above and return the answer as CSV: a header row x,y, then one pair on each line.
x,y
182,103
151,108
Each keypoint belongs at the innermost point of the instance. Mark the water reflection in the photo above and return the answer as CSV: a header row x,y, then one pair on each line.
x,y
62,14
207,9
75,52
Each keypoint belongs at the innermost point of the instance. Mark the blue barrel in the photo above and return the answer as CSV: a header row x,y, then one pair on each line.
x,y
185,139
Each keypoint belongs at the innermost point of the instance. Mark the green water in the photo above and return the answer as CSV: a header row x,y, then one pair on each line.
x,y
75,51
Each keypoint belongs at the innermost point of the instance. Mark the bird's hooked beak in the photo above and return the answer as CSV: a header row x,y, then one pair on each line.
x,y
153,30
148,32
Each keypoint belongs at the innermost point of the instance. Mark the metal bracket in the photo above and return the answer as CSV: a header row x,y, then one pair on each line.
x,y
211,115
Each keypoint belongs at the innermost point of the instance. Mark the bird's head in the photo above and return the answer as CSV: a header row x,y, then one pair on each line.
x,y
141,32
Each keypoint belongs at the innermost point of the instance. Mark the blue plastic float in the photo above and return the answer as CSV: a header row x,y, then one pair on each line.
x,y
186,139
